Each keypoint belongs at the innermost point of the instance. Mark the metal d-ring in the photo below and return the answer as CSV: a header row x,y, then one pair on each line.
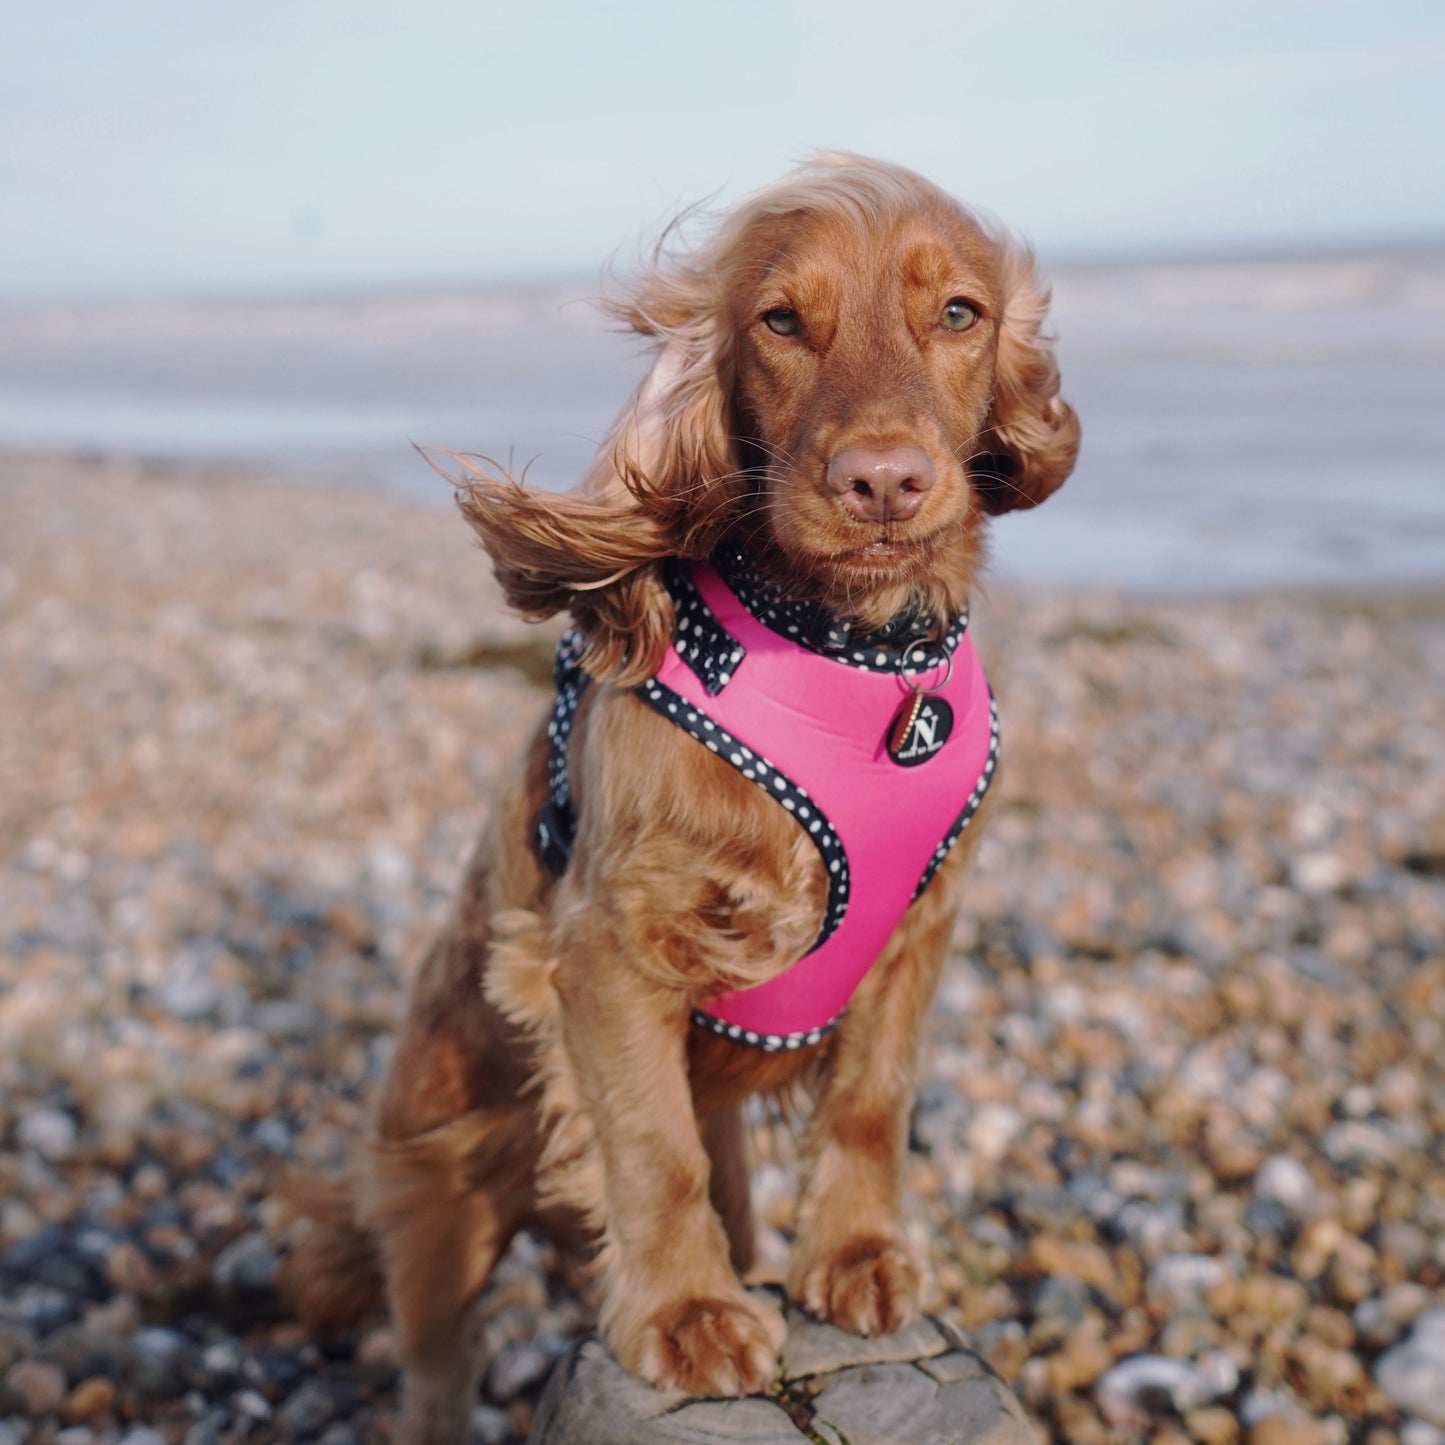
x,y
948,672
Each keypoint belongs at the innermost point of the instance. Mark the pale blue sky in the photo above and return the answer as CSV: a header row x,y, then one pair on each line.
x,y
154,145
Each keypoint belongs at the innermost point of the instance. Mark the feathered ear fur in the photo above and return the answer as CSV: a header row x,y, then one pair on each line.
x,y
1031,437
661,486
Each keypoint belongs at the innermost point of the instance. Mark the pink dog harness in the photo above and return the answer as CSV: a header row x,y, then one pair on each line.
x,y
807,712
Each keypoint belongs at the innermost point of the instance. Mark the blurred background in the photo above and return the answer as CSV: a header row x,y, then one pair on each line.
x,y
312,233
1177,1155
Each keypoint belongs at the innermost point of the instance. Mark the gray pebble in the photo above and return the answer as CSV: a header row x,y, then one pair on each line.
x,y
43,1310
1418,1432
272,1135
251,1404
220,1367
1353,1142
517,1366
1155,1384
1413,1373
1382,1319
1267,1218
1185,1277
309,1410
1061,1298
10,1434
159,1363
82,1353
1148,1225
49,1132
1286,1182
210,1429
247,1266
190,991
491,1426
1095,1195
142,1435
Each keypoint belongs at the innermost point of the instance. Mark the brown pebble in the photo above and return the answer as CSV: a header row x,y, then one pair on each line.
x,y
39,1386
1334,1377
1233,1156
1273,1297
128,1270
1073,1260
1080,1425
89,1399
1083,1357
1287,1430
1213,1426
1332,1326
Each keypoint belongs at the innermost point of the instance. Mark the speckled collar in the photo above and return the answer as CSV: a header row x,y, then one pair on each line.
x,y
905,640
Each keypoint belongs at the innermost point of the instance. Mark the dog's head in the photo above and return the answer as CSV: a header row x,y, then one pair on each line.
x,y
851,375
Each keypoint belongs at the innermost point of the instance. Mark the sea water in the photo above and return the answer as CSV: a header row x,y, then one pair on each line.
x,y
1267,422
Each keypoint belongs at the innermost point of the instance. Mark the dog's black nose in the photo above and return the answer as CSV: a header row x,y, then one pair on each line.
x,y
881,485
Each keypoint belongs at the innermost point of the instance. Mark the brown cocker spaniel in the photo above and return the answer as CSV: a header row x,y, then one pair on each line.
x,y
729,863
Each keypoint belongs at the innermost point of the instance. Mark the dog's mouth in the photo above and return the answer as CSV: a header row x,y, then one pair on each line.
x,y
885,549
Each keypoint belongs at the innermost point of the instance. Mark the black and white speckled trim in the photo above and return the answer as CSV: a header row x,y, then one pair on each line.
x,y
557,822
702,642
900,646
975,799
773,1043
777,785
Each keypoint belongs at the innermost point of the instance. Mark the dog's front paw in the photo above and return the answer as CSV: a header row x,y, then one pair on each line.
x,y
706,1346
870,1284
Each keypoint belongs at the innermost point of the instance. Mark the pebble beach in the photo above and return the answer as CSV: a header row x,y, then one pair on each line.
x,y
1177,1157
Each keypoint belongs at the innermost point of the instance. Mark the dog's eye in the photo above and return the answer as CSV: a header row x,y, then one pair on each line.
x,y
784,320
959,315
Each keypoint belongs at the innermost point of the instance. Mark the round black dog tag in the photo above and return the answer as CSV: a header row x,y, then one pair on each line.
x,y
914,741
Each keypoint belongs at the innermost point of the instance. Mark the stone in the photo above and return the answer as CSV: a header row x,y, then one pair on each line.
x,y
1412,1374
1420,1432
51,1133
1213,1425
89,1399
1145,1385
517,1366
160,1361
1287,1428
1185,1277
1283,1180
921,1385
491,1426
247,1266
309,1410
39,1386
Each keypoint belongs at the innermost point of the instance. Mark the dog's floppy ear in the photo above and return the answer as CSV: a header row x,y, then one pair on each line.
x,y
1031,436
659,487
671,447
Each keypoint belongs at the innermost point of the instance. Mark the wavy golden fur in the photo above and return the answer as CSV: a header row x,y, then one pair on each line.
x,y
851,375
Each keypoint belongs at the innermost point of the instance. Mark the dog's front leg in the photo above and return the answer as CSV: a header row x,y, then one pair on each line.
x,y
852,1263
673,1310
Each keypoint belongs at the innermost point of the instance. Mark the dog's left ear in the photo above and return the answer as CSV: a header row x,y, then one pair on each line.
x,y
1031,436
